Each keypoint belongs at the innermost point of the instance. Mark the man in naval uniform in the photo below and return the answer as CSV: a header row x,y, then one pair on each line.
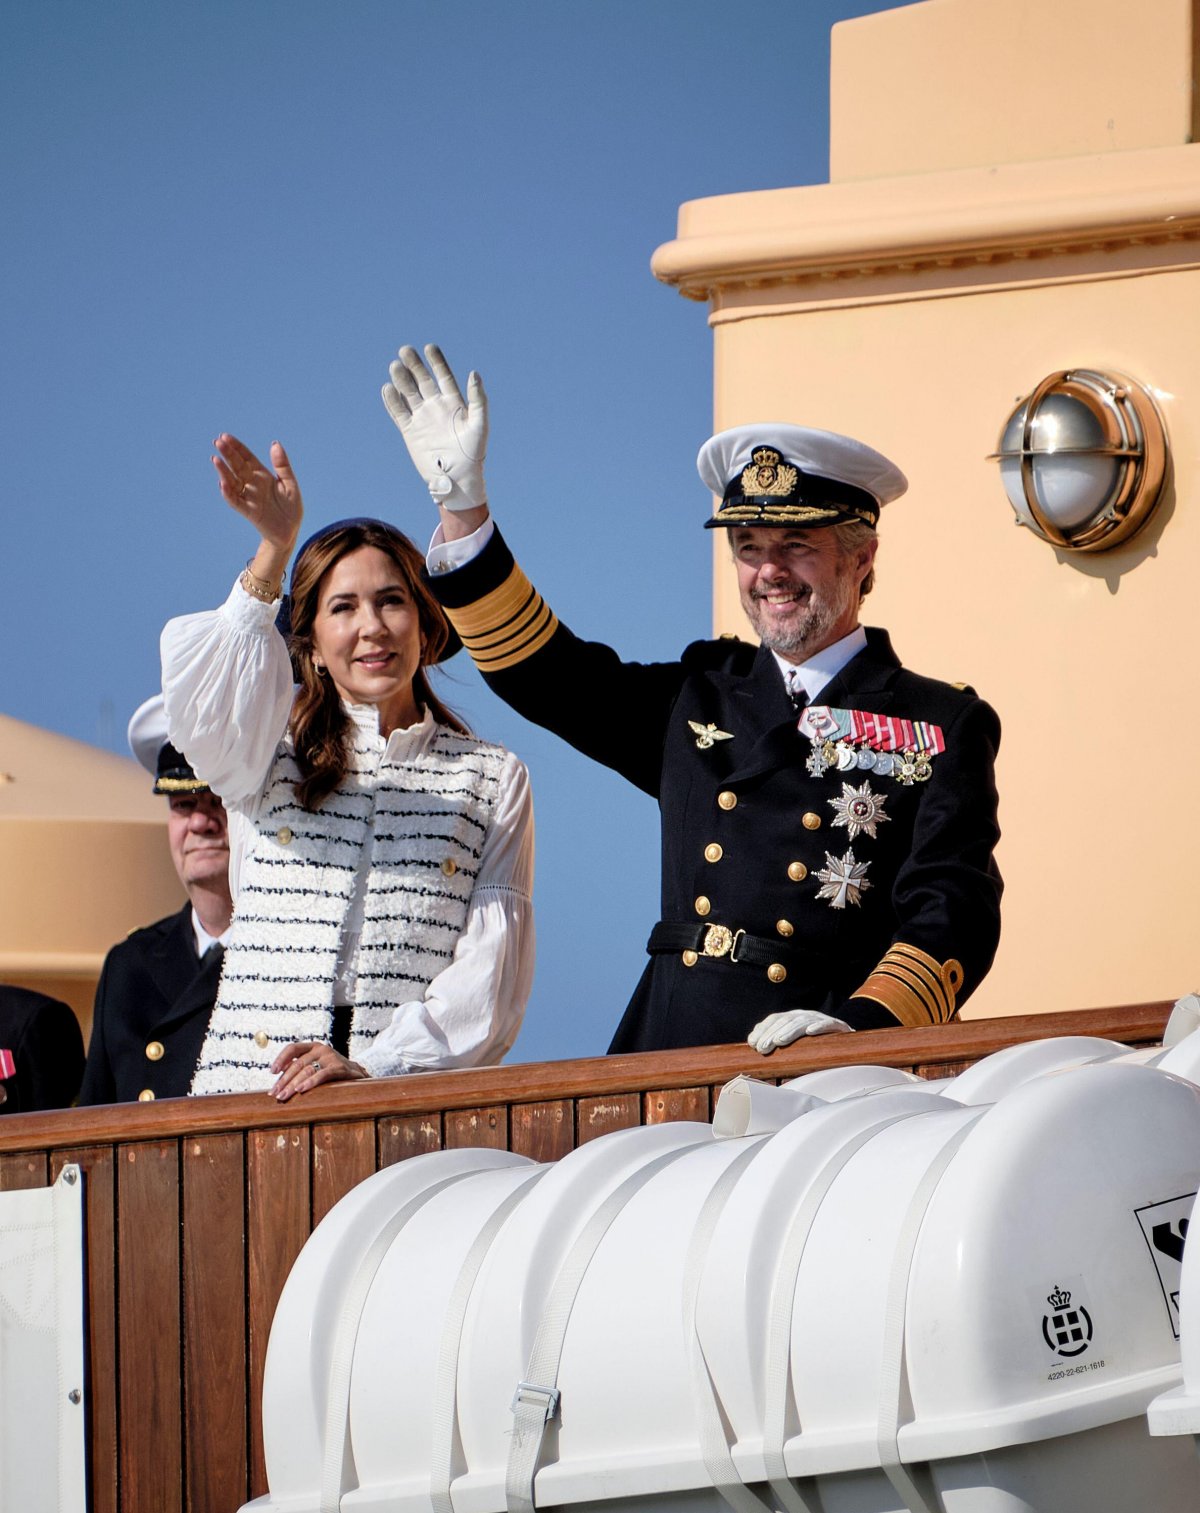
x,y
44,1047
158,987
828,818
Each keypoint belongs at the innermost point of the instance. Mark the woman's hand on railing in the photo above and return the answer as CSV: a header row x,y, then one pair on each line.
x,y
306,1064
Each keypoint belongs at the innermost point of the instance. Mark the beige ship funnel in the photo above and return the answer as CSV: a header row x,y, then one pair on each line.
x,y
83,860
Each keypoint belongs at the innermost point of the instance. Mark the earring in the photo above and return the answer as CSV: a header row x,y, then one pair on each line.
x,y
318,666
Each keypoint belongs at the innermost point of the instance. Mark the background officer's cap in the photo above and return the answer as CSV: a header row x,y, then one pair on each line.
x,y
784,475
147,737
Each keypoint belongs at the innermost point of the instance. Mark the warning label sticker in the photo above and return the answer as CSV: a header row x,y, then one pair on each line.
x,y
1164,1228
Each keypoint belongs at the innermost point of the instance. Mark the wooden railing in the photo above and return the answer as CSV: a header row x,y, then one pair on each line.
x,y
196,1209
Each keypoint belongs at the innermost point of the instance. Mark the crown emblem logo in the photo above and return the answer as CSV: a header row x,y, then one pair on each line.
x,y
1058,1298
767,473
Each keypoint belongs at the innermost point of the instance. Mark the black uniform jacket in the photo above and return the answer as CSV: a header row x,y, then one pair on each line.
x,y
153,1004
47,1048
750,834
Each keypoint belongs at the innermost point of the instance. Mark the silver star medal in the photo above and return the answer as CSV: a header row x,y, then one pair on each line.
x,y
844,880
859,810
707,735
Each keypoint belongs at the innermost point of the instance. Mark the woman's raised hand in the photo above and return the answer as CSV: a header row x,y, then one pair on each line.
x,y
270,501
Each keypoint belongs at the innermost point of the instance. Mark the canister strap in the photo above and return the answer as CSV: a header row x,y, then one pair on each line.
x,y
535,1402
893,1373
714,1443
336,1457
777,1373
445,1382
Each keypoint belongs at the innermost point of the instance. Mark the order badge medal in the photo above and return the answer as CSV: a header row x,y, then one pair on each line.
x,y
843,880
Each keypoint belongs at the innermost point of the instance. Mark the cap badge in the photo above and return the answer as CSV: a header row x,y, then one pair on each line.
x,y
767,473
708,735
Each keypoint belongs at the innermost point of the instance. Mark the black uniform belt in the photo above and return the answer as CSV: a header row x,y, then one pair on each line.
x,y
737,946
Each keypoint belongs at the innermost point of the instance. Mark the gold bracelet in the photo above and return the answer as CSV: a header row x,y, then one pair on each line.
x,y
258,588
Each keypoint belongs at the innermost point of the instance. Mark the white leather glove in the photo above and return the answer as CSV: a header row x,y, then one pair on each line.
x,y
446,438
781,1029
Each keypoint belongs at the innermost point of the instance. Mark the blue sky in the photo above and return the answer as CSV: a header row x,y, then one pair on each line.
x,y
227,216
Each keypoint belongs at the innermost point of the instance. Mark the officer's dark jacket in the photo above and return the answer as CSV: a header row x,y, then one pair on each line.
x,y
47,1048
153,1004
747,828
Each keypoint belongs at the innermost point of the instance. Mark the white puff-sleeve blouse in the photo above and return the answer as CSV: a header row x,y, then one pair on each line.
x,y
227,684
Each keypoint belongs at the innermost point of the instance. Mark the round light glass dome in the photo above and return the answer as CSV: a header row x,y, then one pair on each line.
x,y
1083,459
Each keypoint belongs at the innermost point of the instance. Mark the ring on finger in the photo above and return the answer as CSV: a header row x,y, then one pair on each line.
x,y
315,1063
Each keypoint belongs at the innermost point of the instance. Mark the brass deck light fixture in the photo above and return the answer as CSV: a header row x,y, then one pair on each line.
x,y
1083,459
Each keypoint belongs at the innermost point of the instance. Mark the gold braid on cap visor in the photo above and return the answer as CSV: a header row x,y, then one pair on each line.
x,y
506,626
918,990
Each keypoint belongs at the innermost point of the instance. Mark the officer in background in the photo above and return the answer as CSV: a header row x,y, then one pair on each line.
x,y
158,987
41,1052
828,818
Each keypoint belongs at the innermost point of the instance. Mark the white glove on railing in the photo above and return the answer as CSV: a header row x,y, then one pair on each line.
x,y
446,438
781,1029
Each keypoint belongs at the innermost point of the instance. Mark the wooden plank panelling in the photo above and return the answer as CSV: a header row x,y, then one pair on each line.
x,y
542,1131
100,1302
278,1223
940,1069
214,1323
596,1077
412,1135
148,1324
29,1169
600,1116
343,1155
175,1388
477,1126
675,1103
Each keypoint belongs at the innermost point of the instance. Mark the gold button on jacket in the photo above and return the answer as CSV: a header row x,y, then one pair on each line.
x,y
284,836
811,821
726,799
797,871
702,905
261,1039
155,1051
713,852
145,1096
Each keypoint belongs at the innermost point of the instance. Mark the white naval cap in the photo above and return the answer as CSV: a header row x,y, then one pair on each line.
x,y
772,473
147,737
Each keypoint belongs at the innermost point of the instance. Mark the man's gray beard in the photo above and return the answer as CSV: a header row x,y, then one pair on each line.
x,y
810,634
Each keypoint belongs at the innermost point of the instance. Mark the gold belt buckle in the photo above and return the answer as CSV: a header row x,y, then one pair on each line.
x,y
720,940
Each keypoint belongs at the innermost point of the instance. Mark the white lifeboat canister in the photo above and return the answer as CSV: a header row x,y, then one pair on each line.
x,y
850,1294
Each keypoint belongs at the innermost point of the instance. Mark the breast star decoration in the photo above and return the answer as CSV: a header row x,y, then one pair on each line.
x,y
859,810
843,879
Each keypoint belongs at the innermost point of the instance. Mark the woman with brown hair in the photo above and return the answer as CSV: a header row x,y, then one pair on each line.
x,y
381,857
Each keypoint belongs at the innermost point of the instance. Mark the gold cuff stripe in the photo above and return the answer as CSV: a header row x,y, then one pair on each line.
x,y
516,649
914,987
495,640
506,626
